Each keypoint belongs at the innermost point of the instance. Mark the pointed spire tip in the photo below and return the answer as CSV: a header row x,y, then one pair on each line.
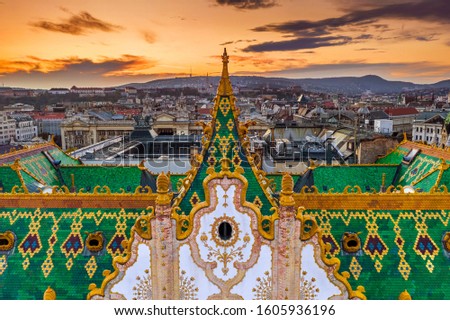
x,y
225,85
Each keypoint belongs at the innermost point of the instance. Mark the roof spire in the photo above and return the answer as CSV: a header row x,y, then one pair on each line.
x,y
225,88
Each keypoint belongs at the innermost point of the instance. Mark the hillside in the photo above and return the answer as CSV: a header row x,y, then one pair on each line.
x,y
345,85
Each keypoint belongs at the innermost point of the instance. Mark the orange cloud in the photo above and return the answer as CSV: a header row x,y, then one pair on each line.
x,y
149,36
35,64
130,65
106,67
77,24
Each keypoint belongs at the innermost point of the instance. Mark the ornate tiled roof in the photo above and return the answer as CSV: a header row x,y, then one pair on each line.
x,y
424,171
400,235
395,250
52,249
51,233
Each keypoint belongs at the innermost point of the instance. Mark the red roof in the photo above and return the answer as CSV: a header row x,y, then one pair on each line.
x,y
127,112
401,111
328,104
204,110
40,116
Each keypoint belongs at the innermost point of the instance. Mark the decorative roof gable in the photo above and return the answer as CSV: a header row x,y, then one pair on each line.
x,y
224,153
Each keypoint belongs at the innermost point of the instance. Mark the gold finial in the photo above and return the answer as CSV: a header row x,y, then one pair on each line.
x,y
225,58
162,187
49,294
162,183
225,88
405,137
287,183
404,296
287,189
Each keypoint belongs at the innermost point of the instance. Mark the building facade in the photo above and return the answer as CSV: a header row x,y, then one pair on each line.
x,y
7,128
26,128
402,118
49,123
429,131
80,132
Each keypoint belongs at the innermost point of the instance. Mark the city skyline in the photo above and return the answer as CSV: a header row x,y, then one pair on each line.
x,y
106,43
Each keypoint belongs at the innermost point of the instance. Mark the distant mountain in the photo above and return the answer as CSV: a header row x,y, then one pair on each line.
x,y
441,84
356,85
345,85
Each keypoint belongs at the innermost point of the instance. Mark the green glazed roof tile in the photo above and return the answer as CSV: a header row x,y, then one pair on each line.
x,y
368,178
116,178
56,255
65,159
393,260
8,178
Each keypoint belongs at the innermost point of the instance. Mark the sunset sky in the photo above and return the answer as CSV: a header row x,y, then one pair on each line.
x,y
55,43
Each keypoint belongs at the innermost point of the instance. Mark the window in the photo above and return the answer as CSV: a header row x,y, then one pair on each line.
x,y
7,241
351,243
225,231
446,242
94,243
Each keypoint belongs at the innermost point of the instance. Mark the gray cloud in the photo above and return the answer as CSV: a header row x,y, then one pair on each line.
x,y
248,4
237,41
77,24
426,10
365,36
226,43
359,18
430,37
350,5
299,44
